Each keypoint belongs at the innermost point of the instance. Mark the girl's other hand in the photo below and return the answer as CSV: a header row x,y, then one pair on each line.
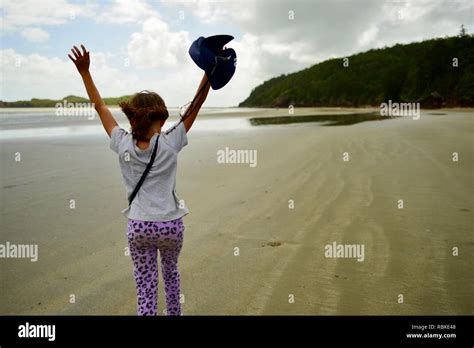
x,y
82,60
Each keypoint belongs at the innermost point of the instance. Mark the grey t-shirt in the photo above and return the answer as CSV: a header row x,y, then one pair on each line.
x,y
157,199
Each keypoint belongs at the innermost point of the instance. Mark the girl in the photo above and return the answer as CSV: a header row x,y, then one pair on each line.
x,y
155,213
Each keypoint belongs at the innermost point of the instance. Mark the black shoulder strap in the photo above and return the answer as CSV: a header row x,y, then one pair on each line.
x,y
145,173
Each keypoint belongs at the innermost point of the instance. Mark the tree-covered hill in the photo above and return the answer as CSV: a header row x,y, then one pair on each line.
x,y
438,72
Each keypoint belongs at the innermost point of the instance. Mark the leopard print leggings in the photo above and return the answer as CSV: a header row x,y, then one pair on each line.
x,y
145,238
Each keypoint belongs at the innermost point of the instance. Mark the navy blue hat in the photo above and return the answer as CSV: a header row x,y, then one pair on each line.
x,y
219,64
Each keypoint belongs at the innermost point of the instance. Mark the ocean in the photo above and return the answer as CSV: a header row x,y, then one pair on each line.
x,y
46,122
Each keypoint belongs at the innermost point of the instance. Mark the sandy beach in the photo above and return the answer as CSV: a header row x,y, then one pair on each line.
x,y
246,251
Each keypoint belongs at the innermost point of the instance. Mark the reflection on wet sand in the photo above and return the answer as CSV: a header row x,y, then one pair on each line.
x,y
332,120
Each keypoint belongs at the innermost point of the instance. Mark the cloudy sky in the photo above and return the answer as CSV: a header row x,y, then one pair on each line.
x,y
143,44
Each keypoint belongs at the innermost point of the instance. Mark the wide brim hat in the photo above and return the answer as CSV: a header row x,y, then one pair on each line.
x,y
218,63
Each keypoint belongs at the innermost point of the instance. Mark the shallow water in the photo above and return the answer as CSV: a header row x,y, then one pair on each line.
x,y
37,116
43,122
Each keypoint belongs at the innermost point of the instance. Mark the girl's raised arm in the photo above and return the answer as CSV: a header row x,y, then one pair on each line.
x,y
199,99
82,62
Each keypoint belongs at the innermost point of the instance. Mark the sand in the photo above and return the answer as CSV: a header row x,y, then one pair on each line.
x,y
280,265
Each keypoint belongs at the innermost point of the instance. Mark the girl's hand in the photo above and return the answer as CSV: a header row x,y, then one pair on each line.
x,y
82,60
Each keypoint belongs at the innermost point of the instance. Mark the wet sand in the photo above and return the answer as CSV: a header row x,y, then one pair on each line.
x,y
280,250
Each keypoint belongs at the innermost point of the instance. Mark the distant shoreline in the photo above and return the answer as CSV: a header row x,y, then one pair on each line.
x,y
450,107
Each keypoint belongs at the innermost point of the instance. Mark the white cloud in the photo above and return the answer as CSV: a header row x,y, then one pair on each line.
x,y
156,46
35,34
369,36
126,11
19,14
210,11
34,75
